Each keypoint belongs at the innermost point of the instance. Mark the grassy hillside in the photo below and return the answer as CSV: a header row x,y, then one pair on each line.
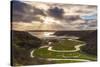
x,y
91,40
25,40
22,44
89,36
65,46
80,33
60,45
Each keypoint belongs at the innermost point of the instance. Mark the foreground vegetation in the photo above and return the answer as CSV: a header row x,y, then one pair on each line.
x,y
65,45
23,43
88,36
45,53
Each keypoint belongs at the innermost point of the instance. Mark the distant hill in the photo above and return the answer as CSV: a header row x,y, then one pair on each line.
x,y
80,33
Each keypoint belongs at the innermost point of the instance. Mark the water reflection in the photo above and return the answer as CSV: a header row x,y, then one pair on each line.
x,y
42,34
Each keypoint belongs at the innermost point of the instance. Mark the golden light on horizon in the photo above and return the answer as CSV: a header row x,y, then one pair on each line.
x,y
48,20
46,34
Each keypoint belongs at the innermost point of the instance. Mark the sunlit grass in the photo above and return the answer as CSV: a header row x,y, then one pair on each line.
x,y
45,53
65,45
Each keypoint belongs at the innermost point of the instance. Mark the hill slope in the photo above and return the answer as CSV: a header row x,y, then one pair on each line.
x,y
90,37
91,40
22,44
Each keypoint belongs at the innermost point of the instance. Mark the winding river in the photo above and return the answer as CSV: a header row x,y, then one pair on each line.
x,y
77,48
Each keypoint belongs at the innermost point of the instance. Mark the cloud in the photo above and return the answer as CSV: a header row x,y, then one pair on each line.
x,y
65,17
72,17
24,12
56,12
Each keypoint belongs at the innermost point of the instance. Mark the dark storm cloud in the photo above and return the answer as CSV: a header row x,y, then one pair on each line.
x,y
56,12
24,12
72,17
38,11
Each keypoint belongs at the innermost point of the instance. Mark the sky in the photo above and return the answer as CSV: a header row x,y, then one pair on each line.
x,y
32,15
